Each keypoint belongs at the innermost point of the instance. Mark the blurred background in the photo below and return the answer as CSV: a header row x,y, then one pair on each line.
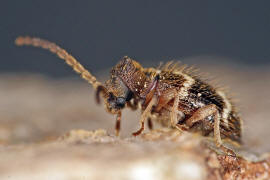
x,y
99,33
39,98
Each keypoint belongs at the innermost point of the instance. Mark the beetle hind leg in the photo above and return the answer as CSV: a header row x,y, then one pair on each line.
x,y
200,115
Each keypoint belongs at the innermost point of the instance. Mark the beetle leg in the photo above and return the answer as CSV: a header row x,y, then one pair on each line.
x,y
118,123
144,115
174,110
149,123
133,105
203,113
174,114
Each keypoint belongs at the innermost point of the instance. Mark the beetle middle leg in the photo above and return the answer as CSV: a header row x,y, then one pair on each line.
x,y
133,104
173,114
150,123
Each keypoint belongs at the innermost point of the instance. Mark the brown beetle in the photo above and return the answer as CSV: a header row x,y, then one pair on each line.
x,y
171,94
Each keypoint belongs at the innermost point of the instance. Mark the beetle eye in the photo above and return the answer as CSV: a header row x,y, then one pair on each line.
x,y
120,102
116,102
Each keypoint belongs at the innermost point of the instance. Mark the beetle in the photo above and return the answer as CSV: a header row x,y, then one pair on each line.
x,y
171,94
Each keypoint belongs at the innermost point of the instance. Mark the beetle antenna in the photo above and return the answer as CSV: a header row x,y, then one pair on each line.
x,y
63,54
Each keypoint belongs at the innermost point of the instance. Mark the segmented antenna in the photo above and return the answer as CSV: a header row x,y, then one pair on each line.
x,y
61,53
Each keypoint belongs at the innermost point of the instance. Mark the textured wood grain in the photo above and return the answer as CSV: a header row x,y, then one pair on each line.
x,y
39,136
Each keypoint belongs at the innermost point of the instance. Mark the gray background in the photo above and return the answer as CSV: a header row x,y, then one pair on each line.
x,y
99,33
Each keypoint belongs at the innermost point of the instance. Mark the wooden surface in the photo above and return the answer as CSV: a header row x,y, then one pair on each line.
x,y
39,136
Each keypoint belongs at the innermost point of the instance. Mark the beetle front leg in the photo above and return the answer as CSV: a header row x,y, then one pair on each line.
x,y
118,123
145,115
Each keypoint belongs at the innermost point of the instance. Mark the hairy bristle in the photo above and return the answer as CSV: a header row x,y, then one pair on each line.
x,y
61,53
